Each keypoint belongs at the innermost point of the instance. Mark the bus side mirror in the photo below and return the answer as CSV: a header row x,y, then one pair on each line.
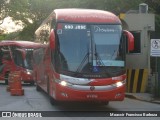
x,y
130,40
52,39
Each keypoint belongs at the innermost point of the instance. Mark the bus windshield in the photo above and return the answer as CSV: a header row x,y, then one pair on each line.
x,y
88,49
25,62
28,62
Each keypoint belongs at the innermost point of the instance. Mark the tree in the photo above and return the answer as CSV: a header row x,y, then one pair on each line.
x,y
2,10
33,12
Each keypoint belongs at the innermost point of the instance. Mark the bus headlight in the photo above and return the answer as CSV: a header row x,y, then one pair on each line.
x,y
63,83
29,73
119,84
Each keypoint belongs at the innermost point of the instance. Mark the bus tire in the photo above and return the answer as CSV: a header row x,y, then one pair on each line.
x,y
32,83
52,100
104,103
38,88
48,86
6,78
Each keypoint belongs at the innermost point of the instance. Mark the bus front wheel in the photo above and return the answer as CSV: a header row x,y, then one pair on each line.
x,y
104,103
51,99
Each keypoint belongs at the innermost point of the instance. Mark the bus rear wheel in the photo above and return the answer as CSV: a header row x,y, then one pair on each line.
x,y
38,88
32,83
6,78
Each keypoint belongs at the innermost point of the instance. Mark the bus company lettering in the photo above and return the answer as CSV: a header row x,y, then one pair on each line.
x,y
104,30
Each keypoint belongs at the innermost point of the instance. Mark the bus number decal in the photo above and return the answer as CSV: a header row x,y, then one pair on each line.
x,y
75,27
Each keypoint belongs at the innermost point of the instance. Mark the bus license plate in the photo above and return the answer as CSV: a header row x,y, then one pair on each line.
x,y
92,96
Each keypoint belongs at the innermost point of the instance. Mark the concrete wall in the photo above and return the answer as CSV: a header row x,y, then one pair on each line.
x,y
138,64
139,21
144,23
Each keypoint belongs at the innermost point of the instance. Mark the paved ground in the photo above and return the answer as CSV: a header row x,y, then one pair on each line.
x,y
144,97
39,101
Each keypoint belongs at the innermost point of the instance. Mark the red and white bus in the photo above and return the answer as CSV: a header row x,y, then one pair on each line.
x,y
17,55
85,57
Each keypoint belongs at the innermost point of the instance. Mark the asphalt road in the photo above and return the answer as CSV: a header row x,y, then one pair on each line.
x,y
39,101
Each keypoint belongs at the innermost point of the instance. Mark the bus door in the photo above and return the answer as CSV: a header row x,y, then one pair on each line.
x,y
7,60
47,69
6,63
1,60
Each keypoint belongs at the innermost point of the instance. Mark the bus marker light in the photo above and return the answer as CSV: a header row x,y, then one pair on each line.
x,y
64,94
118,95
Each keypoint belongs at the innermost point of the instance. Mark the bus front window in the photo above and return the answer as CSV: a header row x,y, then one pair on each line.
x,y
18,58
86,50
106,45
28,62
73,46
22,60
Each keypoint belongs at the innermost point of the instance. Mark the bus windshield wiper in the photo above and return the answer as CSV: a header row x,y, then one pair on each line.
x,y
83,61
98,58
87,56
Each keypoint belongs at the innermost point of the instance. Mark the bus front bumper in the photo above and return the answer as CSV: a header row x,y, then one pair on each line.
x,y
89,93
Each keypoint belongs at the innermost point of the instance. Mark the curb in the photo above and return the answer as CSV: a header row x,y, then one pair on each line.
x,y
140,99
130,96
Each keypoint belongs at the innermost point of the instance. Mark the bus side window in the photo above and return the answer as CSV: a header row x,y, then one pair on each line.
x,y
6,56
53,24
1,63
18,58
5,52
1,56
38,56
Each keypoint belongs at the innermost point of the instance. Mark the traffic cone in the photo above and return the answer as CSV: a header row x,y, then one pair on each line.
x,y
10,77
8,87
15,84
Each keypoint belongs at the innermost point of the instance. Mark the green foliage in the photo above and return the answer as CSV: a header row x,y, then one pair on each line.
x,y
3,10
2,37
11,36
157,22
38,10
28,32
